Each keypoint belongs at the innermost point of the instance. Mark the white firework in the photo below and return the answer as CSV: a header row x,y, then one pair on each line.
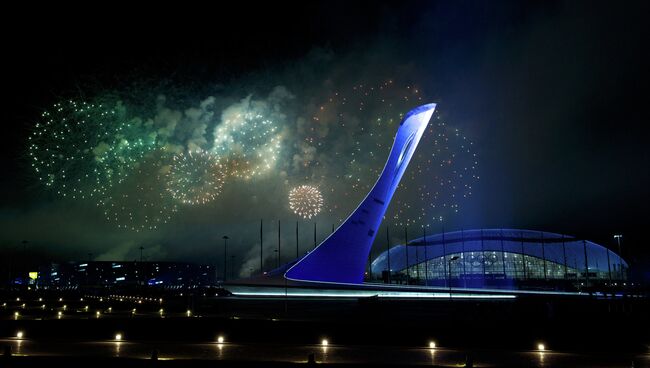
x,y
247,141
195,178
305,201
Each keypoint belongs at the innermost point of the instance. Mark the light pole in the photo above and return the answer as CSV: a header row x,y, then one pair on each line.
x,y
225,255
618,240
426,260
449,268
406,247
388,252
24,270
140,266
620,256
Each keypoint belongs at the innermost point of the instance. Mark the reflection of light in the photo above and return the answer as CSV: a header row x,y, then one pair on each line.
x,y
118,337
380,294
16,315
220,339
432,344
324,345
189,312
541,347
19,335
19,345
97,314
220,347
59,314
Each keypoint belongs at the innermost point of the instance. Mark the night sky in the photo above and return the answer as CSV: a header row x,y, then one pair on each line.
x,y
540,124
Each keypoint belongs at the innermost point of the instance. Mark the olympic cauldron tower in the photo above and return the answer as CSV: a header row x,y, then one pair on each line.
x,y
341,257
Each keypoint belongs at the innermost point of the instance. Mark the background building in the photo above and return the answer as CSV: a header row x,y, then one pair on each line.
x,y
507,258
106,273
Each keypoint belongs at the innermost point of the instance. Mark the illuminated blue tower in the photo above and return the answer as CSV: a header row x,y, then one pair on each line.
x,y
341,258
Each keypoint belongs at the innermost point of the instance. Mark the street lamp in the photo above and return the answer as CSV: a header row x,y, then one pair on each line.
x,y
618,238
225,255
449,270
24,271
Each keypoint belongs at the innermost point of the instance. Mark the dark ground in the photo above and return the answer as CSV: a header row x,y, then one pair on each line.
x,y
610,330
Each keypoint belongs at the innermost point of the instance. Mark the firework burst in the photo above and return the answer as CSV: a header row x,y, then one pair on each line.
x,y
305,201
441,174
141,202
81,149
249,141
195,178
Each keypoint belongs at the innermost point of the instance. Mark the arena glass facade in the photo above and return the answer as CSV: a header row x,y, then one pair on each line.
x,y
500,257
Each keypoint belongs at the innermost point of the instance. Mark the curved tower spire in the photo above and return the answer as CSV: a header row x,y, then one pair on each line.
x,y
342,257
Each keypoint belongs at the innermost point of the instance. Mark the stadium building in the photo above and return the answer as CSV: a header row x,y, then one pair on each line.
x,y
509,258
